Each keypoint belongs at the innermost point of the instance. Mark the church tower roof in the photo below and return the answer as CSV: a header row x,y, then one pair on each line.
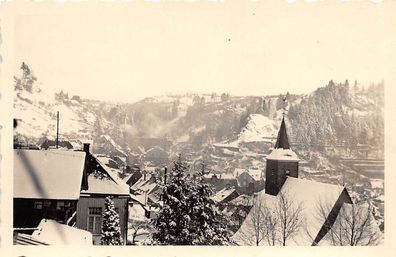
x,y
282,140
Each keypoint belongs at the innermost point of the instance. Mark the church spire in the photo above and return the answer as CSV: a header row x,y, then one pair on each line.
x,y
282,141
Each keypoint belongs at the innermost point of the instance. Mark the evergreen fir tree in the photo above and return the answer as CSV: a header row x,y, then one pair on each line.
x,y
27,79
188,216
111,232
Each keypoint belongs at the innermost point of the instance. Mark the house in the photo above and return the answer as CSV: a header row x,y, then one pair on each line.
x,y
156,156
236,210
225,195
220,181
250,181
47,184
242,201
103,181
106,145
147,191
282,180
68,187
133,178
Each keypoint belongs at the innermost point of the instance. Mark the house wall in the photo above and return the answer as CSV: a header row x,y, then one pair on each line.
x,y
245,179
86,202
27,216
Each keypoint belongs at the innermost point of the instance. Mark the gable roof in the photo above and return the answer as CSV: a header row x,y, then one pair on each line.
x,y
222,194
51,174
255,174
242,200
106,181
302,192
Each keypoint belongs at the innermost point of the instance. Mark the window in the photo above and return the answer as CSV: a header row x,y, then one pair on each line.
x,y
47,204
38,205
60,205
94,220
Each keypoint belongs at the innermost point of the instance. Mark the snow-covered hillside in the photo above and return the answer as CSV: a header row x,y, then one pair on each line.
x,y
36,115
259,128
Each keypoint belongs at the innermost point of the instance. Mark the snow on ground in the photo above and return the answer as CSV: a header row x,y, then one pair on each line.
x,y
377,183
311,171
259,128
36,115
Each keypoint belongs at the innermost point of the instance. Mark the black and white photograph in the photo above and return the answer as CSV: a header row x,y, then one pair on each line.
x,y
198,123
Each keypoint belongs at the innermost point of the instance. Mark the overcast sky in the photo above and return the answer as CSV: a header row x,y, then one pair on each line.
x,y
128,51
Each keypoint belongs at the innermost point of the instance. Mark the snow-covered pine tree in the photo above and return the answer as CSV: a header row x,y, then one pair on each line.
x,y
111,232
189,216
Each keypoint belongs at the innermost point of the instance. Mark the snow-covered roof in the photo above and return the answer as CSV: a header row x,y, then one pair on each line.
x,y
114,144
226,176
155,149
148,188
377,183
239,171
113,173
302,192
283,154
244,200
54,233
103,185
222,194
127,177
229,211
208,175
256,174
361,212
108,183
51,174
137,212
145,179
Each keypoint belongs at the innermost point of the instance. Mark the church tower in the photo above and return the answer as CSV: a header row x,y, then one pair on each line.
x,y
281,162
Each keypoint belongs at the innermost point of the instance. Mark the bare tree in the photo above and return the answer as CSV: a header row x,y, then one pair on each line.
x,y
290,216
275,221
252,231
354,224
270,228
138,228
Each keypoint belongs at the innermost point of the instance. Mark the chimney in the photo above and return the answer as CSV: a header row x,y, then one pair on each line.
x,y
86,148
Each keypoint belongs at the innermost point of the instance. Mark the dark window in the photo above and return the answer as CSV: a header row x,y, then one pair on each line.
x,y
60,205
47,204
38,205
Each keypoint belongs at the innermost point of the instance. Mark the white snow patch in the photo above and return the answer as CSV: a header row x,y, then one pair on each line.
x,y
259,128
